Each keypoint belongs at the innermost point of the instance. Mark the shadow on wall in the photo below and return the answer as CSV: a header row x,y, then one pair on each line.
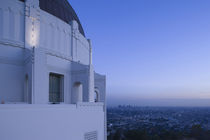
x,y
77,95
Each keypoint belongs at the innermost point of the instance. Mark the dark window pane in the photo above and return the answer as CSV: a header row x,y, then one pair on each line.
x,y
55,88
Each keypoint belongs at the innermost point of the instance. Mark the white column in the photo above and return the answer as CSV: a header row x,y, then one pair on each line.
x,y
75,32
32,23
38,67
90,52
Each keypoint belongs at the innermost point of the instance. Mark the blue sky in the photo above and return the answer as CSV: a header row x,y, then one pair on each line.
x,y
150,49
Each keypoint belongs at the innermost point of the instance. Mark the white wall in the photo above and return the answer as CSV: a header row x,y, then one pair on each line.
x,y
81,49
12,22
11,83
11,73
60,38
11,50
51,122
55,35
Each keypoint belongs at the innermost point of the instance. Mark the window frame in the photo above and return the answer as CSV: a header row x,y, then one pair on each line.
x,y
61,92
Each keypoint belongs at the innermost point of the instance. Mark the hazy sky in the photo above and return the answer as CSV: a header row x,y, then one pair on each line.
x,y
150,49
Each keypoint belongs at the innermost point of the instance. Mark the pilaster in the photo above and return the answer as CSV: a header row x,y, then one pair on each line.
x,y
75,36
32,23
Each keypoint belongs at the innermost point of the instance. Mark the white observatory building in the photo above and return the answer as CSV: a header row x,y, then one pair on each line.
x,y
48,87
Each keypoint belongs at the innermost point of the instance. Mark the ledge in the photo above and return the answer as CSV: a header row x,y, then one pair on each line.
x,y
93,104
80,105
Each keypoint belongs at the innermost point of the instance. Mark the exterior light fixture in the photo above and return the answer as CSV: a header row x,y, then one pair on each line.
x,y
33,34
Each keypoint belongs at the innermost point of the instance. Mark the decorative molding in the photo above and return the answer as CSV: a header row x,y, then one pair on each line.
x,y
57,54
12,43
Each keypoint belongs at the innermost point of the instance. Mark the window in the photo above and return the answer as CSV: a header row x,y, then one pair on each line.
x,y
56,88
96,95
96,98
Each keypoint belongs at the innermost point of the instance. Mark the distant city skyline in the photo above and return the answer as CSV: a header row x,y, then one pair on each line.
x,y
154,51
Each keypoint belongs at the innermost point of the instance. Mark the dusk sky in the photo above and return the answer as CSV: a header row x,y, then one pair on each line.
x,y
152,51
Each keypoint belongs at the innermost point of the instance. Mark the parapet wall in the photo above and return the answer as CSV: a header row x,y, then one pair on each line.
x,y
40,122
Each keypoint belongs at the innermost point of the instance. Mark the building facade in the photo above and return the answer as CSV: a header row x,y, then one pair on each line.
x,y
48,86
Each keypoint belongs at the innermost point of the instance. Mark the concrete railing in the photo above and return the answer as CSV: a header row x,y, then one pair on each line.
x,y
90,104
86,105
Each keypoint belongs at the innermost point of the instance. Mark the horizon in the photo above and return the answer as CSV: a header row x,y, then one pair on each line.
x,y
161,103
152,50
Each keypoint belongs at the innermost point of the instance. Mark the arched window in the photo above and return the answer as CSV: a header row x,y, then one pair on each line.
x,y
77,95
96,95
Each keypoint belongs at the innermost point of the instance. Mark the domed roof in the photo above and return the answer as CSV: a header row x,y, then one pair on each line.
x,y
61,9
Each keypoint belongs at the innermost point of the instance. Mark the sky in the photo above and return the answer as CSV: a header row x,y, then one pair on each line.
x,y
153,52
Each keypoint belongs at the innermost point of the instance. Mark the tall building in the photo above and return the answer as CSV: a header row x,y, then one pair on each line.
x,y
48,87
